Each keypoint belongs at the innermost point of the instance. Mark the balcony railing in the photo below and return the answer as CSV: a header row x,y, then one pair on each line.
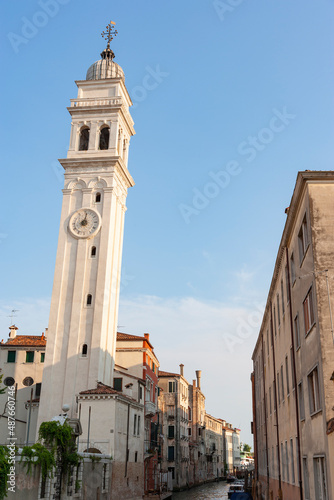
x,y
150,408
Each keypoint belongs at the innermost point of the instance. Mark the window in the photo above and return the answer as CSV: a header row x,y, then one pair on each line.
x,y
292,462
278,311
172,386
301,401
11,356
28,381
282,295
313,391
302,239
138,426
308,312
38,389
274,394
136,456
172,471
293,269
306,480
135,424
84,350
287,375
140,392
84,139
189,413
30,356
170,453
118,382
270,406
104,138
275,322
268,342
287,285
189,431
42,357
297,332
292,371
282,383
278,389
93,252
89,300
171,432
98,198
287,474
9,381
282,462
320,482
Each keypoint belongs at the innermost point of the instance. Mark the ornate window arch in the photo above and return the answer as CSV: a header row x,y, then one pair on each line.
x,y
104,137
84,138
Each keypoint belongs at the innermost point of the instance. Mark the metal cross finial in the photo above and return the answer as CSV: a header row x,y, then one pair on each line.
x,y
110,32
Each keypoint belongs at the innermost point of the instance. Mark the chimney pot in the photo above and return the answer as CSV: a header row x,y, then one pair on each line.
x,y
147,336
198,376
12,333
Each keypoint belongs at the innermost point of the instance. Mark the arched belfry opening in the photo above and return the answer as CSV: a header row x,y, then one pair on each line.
x,y
104,138
84,139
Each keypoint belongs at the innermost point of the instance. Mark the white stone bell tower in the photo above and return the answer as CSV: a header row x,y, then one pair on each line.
x,y
84,308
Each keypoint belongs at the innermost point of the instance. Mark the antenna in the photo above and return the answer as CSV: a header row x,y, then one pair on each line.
x,y
12,314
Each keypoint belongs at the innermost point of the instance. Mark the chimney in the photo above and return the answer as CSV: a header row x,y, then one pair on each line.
x,y
12,333
147,336
198,376
181,369
46,332
194,383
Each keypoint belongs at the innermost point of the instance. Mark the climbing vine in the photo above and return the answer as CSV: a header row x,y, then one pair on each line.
x,y
37,454
4,471
55,450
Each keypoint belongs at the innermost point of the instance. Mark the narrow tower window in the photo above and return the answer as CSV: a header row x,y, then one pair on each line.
x,y
98,198
93,252
84,350
104,138
89,300
84,139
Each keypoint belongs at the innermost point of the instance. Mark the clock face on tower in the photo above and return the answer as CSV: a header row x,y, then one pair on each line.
x,y
85,223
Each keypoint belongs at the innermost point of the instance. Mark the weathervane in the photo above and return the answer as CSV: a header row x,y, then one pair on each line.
x,y
110,33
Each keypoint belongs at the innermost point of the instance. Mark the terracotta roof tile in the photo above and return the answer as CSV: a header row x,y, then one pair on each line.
x,y
27,341
101,389
127,336
168,374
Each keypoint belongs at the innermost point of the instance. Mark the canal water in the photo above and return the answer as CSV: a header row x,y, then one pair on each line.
x,y
205,492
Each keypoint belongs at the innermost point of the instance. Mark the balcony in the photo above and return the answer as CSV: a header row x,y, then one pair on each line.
x,y
150,408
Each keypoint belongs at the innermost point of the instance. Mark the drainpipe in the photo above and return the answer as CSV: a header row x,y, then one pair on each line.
x,y
127,443
276,402
265,416
294,374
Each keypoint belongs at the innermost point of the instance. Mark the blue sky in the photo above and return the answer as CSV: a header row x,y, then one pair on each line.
x,y
243,100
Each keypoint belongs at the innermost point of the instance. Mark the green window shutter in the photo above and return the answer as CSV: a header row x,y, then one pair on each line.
x,y
30,356
11,356
118,384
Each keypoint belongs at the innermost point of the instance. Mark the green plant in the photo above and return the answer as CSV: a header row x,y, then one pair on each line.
x,y
56,449
4,471
2,389
94,460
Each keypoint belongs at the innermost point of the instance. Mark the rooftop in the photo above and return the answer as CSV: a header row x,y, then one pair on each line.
x,y
26,341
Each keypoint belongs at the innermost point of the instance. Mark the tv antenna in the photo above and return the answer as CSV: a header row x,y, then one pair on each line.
x,y
12,314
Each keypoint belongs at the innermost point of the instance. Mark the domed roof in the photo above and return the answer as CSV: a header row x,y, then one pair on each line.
x,y
104,68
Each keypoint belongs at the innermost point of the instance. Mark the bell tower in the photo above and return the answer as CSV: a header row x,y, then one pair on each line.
x,y
84,307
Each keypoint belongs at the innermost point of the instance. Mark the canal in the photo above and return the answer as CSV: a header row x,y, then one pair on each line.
x,y
206,491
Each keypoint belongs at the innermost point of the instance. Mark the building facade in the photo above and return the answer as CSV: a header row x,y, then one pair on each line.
x,y
135,355
293,378
22,358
